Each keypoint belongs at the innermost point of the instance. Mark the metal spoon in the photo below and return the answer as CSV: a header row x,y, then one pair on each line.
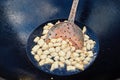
x,y
68,30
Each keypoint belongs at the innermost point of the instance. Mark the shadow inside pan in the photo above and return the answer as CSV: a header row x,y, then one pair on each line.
x,y
60,71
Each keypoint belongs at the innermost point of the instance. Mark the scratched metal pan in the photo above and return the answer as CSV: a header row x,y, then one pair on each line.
x,y
20,19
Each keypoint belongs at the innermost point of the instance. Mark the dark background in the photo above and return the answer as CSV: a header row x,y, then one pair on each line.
x,y
18,18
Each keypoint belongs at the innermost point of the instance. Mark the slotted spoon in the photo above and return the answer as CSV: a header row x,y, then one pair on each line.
x,y
68,30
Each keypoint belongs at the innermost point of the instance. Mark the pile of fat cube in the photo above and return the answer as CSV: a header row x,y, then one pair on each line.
x,y
59,52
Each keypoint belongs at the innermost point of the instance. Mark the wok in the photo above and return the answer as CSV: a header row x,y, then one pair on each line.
x,y
18,18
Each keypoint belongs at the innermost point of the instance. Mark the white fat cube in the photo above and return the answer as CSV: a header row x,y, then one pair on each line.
x,y
37,58
68,62
39,52
88,46
78,51
56,58
53,40
88,59
71,59
62,59
70,43
50,45
66,21
82,58
59,40
71,68
67,40
94,42
35,48
57,22
84,49
49,56
84,29
48,61
62,54
75,54
45,47
41,42
66,49
53,54
43,37
32,52
79,66
68,55
64,42
54,66
85,62
57,44
77,59
73,62
50,24
82,55
85,44
61,64
91,41
90,53
86,37
57,49
43,56
46,52
42,62
92,46
36,39
45,32
72,48
63,46
52,50
46,27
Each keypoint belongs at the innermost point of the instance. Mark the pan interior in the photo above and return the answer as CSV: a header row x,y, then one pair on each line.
x,y
60,71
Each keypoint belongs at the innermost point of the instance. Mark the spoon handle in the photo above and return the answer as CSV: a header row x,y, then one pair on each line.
x,y
73,11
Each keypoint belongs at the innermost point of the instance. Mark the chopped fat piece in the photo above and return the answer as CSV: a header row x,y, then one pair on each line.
x,y
41,42
36,39
62,54
52,50
37,58
54,66
45,32
84,29
70,68
35,48
39,52
57,49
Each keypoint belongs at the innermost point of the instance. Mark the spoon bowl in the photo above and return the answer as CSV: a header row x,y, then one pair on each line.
x,y
68,30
